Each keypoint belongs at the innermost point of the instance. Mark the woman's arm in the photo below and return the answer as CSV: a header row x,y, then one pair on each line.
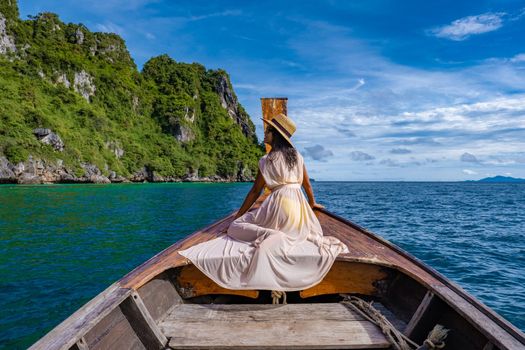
x,y
308,189
252,196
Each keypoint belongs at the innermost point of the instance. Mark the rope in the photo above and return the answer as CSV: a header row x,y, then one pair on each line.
x,y
276,295
399,341
436,337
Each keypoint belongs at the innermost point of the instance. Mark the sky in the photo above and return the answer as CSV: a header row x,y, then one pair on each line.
x,y
379,90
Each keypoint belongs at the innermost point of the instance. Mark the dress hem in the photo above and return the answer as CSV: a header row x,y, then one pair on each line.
x,y
288,289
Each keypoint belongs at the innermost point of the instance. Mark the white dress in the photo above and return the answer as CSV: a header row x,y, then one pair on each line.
x,y
280,246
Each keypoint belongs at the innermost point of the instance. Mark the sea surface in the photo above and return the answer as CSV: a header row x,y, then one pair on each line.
x,y
60,245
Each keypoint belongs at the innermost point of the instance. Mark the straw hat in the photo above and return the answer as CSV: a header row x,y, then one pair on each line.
x,y
284,125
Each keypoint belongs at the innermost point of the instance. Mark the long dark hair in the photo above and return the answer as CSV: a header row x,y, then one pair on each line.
x,y
281,145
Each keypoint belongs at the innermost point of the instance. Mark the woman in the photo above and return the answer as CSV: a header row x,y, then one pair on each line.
x,y
280,246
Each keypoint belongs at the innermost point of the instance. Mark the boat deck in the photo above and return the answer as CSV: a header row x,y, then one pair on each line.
x,y
367,248
257,326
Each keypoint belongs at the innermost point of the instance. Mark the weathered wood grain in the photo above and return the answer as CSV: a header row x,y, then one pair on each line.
x,y
416,318
497,335
261,312
142,323
404,296
67,333
80,345
271,106
365,247
488,346
387,254
390,316
191,282
159,296
347,277
113,332
330,326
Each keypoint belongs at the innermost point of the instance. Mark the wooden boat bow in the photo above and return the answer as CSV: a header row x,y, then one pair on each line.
x,y
132,313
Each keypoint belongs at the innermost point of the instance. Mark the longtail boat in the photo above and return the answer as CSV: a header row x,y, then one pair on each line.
x,y
167,303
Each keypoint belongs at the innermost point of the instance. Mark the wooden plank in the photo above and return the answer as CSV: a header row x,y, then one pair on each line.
x,y
271,106
371,248
159,295
488,346
313,334
142,322
404,296
420,312
80,345
113,332
289,326
388,253
497,335
67,333
261,312
191,282
347,277
364,247
390,316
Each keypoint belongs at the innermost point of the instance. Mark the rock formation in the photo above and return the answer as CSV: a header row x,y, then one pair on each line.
x,y
48,137
231,105
183,133
83,84
172,121
7,42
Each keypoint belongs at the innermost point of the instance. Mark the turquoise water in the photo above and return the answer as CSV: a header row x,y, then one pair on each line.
x,y
60,245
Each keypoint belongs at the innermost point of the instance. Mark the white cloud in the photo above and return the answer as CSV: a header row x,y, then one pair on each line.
x,y
109,27
318,152
360,82
370,103
468,157
463,28
469,172
390,162
518,58
434,112
518,16
350,96
110,7
400,151
216,14
360,156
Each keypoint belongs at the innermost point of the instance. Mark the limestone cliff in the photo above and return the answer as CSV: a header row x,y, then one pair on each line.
x,y
74,108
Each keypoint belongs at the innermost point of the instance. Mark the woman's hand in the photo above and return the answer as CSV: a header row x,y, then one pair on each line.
x,y
316,206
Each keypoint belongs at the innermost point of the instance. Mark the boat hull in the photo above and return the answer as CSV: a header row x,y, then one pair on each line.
x,y
132,313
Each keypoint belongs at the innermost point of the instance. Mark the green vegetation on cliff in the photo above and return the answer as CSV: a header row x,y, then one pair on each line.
x,y
172,119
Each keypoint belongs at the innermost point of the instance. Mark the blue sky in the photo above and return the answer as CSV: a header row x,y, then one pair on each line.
x,y
379,90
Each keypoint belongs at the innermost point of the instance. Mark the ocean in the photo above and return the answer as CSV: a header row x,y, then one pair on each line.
x,y
61,245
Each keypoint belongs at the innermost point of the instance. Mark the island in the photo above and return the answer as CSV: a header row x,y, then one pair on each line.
x,y
499,178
